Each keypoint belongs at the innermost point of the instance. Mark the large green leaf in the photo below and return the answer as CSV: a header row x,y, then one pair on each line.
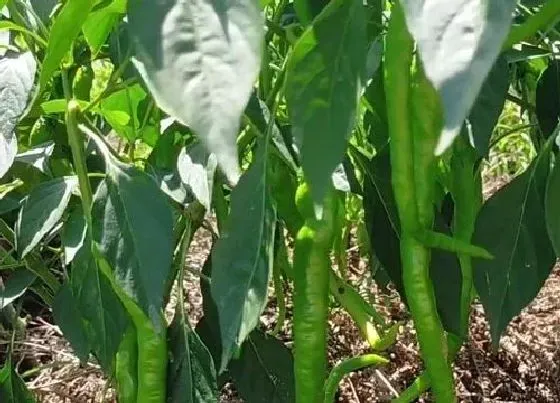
x,y
67,316
44,9
122,111
511,226
200,60
41,210
323,82
191,376
196,168
445,273
65,29
242,258
488,106
12,387
208,328
381,218
73,233
133,226
100,22
171,184
103,316
552,207
37,157
18,73
14,286
375,117
264,372
259,114
548,98
458,42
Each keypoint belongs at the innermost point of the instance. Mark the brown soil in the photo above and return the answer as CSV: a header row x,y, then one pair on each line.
x,y
525,368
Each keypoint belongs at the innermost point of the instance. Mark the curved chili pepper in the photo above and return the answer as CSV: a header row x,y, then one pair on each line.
x,y
414,118
347,366
311,295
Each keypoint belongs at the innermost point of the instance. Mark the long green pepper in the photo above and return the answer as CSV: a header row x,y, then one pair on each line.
x,y
467,196
414,120
311,295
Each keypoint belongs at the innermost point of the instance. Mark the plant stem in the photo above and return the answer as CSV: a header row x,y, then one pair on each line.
x,y
79,159
280,299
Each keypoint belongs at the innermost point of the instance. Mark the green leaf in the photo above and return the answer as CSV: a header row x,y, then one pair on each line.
x,y
242,258
264,372
259,115
283,184
548,98
68,318
511,226
12,387
170,183
44,9
10,202
58,106
100,22
103,315
122,111
208,328
6,26
323,85
488,106
200,63
65,29
381,218
552,207
196,168
133,225
14,286
375,118
191,373
18,73
41,210
38,157
167,148
458,55
73,233
445,273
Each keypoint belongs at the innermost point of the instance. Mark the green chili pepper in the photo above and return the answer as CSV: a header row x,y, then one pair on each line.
x,y
127,367
438,240
353,303
414,117
152,345
347,366
467,195
152,358
311,288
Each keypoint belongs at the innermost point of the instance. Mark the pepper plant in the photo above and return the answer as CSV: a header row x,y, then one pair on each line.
x,y
127,125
